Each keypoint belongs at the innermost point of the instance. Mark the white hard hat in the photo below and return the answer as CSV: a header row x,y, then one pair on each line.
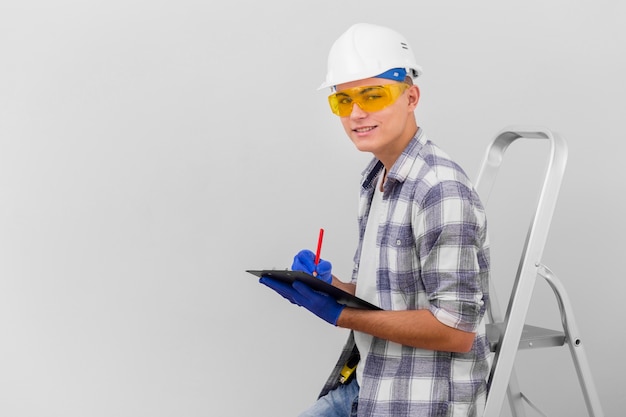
x,y
366,50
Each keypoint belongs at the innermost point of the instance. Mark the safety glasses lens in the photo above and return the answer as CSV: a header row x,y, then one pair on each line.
x,y
369,98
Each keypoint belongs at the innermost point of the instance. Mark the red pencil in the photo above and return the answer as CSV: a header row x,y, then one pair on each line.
x,y
319,247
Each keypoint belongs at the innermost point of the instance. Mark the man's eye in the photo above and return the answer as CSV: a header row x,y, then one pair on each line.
x,y
345,100
372,97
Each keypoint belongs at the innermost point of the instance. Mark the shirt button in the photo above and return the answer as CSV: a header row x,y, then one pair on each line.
x,y
398,242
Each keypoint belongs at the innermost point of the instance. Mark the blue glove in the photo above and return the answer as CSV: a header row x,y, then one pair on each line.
x,y
305,261
320,304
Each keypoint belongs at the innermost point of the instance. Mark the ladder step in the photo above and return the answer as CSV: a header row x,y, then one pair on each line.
x,y
532,336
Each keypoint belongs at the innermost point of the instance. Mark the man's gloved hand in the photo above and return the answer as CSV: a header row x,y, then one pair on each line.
x,y
320,304
305,261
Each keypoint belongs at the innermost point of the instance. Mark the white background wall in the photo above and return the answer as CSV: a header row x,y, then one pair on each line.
x,y
151,151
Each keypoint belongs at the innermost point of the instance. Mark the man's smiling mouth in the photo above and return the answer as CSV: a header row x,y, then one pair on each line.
x,y
364,129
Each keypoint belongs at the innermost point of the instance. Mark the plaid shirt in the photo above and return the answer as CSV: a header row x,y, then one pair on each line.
x,y
433,254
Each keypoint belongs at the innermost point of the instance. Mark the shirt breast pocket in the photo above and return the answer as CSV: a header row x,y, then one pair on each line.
x,y
403,265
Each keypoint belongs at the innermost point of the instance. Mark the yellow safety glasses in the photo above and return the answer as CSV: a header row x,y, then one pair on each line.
x,y
370,98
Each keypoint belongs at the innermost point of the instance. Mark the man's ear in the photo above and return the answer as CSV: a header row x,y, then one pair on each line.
x,y
414,96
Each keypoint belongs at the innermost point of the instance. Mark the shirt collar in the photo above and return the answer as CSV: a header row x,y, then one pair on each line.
x,y
400,169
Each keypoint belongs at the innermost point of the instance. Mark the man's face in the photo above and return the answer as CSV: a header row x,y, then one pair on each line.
x,y
384,133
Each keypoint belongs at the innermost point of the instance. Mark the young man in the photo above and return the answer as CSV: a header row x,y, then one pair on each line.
x,y
423,253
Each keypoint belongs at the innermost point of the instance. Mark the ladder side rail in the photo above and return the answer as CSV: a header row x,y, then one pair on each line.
x,y
484,184
504,360
576,346
515,395
519,301
491,164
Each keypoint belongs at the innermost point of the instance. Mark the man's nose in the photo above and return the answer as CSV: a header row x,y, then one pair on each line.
x,y
357,111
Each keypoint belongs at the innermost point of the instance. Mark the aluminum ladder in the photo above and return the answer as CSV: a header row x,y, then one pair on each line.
x,y
507,334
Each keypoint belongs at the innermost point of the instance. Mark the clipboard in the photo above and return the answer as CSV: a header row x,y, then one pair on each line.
x,y
317,284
